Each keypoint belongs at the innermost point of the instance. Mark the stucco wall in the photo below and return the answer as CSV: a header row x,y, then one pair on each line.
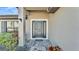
x,y
34,15
64,28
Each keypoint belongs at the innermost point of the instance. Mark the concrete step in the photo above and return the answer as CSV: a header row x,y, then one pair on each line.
x,y
37,45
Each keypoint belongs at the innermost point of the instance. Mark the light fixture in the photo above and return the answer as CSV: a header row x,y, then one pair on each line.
x,y
26,17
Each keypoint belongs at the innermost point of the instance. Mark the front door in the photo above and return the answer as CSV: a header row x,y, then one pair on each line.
x,y
39,29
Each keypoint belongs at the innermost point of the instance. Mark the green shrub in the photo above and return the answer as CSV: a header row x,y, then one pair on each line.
x,y
8,41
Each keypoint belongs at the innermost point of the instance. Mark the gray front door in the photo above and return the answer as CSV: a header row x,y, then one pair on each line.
x,y
38,29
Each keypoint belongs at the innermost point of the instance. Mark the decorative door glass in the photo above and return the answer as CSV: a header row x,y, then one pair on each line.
x,y
38,29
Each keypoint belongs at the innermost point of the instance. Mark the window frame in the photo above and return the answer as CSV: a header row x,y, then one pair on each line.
x,y
8,21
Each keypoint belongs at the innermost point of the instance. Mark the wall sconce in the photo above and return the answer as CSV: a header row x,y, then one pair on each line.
x,y
20,19
26,17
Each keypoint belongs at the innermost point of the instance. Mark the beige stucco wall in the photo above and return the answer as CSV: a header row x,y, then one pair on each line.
x,y
64,28
38,15
34,15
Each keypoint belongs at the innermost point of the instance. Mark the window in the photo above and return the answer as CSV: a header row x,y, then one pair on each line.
x,y
12,26
9,27
39,29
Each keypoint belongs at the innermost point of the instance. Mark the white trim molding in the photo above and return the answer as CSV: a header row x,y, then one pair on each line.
x,y
46,28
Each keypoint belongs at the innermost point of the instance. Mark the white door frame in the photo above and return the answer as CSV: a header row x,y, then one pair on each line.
x,y
46,28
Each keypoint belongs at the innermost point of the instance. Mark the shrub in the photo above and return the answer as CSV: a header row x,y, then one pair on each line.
x,y
8,41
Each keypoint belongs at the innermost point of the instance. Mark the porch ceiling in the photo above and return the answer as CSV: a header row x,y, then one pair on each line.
x,y
36,8
47,9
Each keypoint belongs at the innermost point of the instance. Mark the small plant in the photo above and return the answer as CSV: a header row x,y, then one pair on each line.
x,y
54,48
8,41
